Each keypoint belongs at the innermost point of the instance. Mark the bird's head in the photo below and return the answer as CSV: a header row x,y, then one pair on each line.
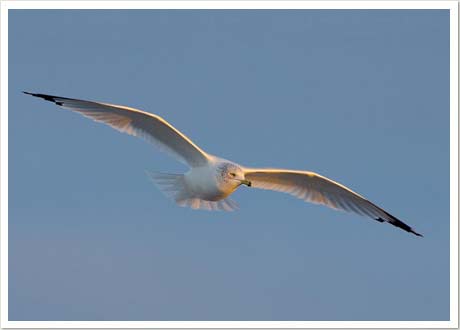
x,y
233,174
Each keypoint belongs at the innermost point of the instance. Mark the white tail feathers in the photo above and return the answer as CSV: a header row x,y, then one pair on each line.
x,y
174,186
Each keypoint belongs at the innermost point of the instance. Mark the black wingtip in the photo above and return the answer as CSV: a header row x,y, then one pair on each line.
x,y
415,233
398,223
46,97
43,96
29,93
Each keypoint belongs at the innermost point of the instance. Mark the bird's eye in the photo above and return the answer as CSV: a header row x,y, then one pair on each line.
x,y
232,174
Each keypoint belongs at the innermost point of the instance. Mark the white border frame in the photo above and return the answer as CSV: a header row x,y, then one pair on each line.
x,y
451,5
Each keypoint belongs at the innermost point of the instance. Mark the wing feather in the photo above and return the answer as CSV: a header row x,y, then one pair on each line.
x,y
138,123
314,188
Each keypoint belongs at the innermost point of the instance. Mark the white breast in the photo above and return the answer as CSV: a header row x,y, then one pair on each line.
x,y
205,182
202,183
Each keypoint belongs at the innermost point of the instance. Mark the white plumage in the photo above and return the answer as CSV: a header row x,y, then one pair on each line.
x,y
211,179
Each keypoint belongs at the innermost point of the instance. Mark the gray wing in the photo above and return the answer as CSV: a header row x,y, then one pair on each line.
x,y
137,123
314,188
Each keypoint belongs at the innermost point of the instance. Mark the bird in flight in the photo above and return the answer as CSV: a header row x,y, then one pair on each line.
x,y
211,179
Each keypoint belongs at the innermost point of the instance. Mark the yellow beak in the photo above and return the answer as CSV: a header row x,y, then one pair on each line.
x,y
246,182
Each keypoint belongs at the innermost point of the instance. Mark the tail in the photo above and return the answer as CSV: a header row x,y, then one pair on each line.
x,y
171,185
174,186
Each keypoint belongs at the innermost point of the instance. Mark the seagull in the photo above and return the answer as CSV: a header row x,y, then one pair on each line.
x,y
211,179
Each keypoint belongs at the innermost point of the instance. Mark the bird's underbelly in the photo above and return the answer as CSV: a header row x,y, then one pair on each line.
x,y
212,195
207,191
205,186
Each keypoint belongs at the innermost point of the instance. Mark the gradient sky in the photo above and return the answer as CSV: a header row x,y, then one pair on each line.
x,y
360,96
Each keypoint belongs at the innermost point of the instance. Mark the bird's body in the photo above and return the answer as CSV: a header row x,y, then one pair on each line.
x,y
208,183
211,180
203,187
204,182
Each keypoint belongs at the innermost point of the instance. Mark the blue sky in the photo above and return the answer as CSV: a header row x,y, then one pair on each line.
x,y
359,96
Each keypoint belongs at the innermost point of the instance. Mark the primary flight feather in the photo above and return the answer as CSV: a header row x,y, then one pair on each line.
x,y
211,179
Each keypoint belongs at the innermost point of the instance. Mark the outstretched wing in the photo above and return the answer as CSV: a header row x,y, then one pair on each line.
x,y
137,123
312,187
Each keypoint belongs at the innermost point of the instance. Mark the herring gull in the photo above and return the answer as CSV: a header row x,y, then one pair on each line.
x,y
211,179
